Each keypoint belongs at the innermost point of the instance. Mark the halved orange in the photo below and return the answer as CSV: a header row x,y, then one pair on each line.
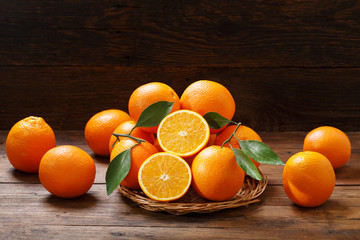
x,y
164,177
183,133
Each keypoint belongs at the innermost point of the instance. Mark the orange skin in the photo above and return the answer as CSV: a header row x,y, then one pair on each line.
x,y
157,145
242,133
308,179
99,128
26,143
139,154
330,142
207,96
67,171
148,94
216,174
125,128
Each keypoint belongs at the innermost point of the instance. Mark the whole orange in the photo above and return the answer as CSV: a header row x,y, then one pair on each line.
x,y
28,140
308,179
125,128
331,142
67,171
242,133
216,174
139,154
99,128
207,96
148,94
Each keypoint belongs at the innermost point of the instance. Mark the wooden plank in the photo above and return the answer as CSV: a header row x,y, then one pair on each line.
x,y
267,99
23,203
320,231
166,33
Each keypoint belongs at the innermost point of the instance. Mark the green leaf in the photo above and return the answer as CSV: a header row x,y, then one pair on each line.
x,y
260,152
215,120
153,114
118,169
246,164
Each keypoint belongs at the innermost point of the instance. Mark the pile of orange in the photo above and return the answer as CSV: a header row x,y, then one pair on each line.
x,y
180,152
184,150
65,171
309,176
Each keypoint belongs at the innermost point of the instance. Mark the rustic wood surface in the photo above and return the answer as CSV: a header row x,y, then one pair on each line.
x,y
28,211
291,65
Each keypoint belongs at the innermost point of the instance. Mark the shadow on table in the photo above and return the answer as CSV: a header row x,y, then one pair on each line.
x,y
87,200
23,176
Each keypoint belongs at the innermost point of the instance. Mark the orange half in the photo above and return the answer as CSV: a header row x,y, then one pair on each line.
x,y
183,133
164,177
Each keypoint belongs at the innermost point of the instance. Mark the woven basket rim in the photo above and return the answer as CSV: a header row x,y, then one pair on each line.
x,y
192,202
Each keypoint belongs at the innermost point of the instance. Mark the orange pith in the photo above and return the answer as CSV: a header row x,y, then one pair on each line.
x,y
183,133
164,177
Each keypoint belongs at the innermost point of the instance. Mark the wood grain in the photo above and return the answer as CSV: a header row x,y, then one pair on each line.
x,y
290,99
172,33
29,211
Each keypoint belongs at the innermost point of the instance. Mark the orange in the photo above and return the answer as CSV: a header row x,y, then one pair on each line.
x,y
139,154
157,145
211,141
125,128
99,128
148,94
242,133
308,179
331,142
207,96
28,140
67,171
183,133
164,177
216,174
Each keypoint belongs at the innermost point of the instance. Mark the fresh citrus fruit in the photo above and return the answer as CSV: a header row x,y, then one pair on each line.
x,y
164,177
211,141
148,94
331,142
100,127
183,133
242,133
308,179
28,140
125,128
216,174
67,171
157,145
207,96
138,154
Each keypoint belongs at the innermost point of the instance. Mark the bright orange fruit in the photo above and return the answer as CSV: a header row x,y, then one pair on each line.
x,y
125,128
331,142
242,133
164,177
216,174
183,133
99,128
67,171
26,143
207,96
148,94
139,154
308,179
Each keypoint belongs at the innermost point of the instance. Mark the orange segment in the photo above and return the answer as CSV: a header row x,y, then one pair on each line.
x,y
183,133
164,177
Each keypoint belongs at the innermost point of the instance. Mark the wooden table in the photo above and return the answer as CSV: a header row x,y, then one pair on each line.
x,y
28,211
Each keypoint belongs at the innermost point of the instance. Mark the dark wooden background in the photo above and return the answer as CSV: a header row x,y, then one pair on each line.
x,y
291,65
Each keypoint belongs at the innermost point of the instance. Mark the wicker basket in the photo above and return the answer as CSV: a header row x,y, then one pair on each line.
x,y
192,202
